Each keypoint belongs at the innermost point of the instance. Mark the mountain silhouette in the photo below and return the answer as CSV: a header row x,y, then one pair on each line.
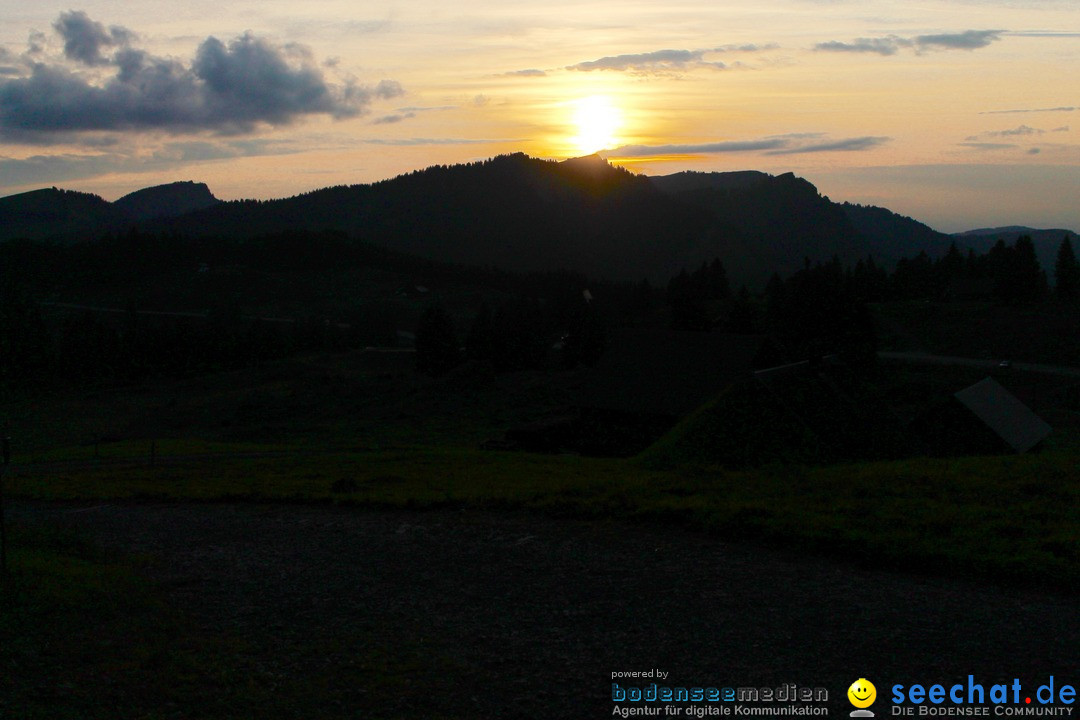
x,y
70,216
164,201
523,214
893,236
55,214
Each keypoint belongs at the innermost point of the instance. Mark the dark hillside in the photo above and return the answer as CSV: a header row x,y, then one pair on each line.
x,y
766,224
892,236
511,212
55,214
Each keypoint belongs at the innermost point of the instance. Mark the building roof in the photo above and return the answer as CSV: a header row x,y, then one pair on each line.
x,y
1003,413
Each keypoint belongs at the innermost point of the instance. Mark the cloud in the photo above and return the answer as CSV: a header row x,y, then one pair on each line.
x,y
227,88
1032,110
987,145
627,151
660,61
1045,34
892,44
35,45
85,38
425,141
790,144
531,72
847,145
882,46
751,47
429,108
394,118
1022,130
1017,132
406,113
967,40
49,169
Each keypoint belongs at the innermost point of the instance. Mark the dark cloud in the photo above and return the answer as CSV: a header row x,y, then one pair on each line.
x,y
228,88
660,61
6,56
892,44
846,145
532,72
1034,151
35,45
84,38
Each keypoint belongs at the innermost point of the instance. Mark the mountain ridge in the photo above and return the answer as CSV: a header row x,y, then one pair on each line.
x,y
69,215
521,213
169,200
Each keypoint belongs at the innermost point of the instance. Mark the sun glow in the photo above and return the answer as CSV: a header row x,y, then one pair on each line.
x,y
597,122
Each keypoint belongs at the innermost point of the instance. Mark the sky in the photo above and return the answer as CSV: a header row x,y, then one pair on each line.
x,y
960,113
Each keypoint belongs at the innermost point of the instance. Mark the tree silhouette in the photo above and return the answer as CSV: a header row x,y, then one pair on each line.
x,y
1067,272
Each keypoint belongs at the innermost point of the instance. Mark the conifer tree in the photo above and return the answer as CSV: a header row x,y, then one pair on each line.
x,y
1067,272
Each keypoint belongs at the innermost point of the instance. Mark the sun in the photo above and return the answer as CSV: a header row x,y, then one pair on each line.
x,y
597,121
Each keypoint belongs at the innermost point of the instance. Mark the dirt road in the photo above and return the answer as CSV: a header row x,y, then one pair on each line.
x,y
514,615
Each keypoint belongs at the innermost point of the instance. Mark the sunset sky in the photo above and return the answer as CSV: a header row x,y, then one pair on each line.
x,y
961,113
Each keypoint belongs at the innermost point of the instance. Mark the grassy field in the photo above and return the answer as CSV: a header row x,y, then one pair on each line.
x,y
1003,518
331,428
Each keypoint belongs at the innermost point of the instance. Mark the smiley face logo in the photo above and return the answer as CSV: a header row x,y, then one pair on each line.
x,y
862,693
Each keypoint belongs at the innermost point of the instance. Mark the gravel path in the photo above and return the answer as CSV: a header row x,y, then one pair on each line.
x,y
516,615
